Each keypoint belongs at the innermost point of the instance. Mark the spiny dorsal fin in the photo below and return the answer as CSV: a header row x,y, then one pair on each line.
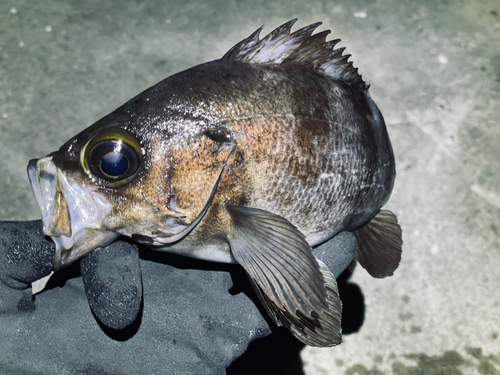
x,y
300,49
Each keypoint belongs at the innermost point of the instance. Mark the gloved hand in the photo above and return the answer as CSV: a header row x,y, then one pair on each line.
x,y
189,317
111,275
25,256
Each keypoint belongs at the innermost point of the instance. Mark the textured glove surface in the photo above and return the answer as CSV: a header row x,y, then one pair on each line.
x,y
188,323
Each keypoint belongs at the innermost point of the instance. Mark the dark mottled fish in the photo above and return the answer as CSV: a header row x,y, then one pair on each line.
x,y
254,158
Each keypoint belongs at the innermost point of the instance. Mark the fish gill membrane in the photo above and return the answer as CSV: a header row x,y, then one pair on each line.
x,y
253,159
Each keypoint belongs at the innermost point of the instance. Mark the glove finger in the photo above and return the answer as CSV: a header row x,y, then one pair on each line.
x,y
338,252
113,284
25,254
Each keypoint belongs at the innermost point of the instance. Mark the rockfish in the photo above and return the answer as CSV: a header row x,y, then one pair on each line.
x,y
251,159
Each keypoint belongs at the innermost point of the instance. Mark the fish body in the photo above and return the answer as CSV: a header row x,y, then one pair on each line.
x,y
252,159
310,149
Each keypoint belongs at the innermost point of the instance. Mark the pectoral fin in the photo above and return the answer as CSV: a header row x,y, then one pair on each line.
x,y
380,244
297,290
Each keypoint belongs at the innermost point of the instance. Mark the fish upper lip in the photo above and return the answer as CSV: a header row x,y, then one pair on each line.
x,y
50,197
45,197
35,185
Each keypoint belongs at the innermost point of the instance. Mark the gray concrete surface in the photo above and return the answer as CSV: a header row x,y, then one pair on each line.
x,y
434,70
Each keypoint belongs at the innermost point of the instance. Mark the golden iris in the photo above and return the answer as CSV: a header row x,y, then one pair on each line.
x,y
113,155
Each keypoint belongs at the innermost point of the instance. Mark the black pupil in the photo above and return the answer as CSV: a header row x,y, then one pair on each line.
x,y
113,160
114,163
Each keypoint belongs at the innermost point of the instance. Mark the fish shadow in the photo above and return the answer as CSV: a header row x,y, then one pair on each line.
x,y
59,279
184,262
353,304
279,353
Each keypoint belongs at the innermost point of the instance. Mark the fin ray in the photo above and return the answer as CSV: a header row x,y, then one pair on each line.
x,y
379,244
297,290
299,49
316,329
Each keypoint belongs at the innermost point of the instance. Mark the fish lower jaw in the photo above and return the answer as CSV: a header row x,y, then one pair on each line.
x,y
68,246
83,242
61,247
64,246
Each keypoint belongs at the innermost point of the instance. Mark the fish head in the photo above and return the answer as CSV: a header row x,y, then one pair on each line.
x,y
151,180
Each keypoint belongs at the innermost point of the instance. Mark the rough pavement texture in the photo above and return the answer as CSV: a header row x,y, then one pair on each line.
x,y
434,70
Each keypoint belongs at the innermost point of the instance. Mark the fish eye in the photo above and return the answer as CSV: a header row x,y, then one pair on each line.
x,y
113,155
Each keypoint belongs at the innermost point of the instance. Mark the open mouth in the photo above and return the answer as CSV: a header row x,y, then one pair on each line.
x,y
71,215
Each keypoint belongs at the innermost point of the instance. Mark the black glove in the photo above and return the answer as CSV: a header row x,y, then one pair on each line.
x,y
113,284
25,256
111,275
189,317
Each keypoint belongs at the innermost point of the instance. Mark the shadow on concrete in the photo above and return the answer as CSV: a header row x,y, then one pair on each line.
x,y
353,309
59,279
278,353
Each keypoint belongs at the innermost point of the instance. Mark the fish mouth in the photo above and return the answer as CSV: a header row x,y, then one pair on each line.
x,y
72,215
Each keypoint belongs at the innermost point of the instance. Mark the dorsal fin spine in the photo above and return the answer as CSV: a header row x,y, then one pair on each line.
x,y
299,49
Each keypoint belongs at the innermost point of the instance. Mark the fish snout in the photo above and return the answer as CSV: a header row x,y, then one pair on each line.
x,y
72,211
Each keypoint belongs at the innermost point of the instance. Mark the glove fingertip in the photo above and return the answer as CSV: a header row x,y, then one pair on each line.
x,y
113,284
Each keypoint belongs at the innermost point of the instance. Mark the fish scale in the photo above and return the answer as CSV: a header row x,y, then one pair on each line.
x,y
287,192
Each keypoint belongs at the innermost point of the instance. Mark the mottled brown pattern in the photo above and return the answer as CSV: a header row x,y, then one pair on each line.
x,y
275,142
195,169
61,217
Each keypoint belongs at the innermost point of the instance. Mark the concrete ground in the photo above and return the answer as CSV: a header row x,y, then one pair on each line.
x,y
434,70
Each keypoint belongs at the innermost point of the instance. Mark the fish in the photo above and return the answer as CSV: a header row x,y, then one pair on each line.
x,y
254,159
